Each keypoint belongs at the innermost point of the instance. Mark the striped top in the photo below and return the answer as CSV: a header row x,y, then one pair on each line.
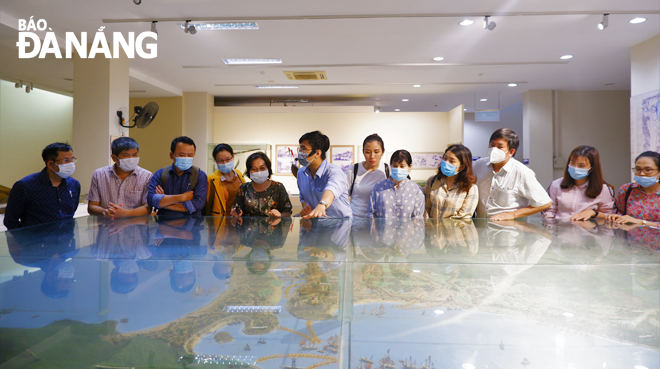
x,y
443,202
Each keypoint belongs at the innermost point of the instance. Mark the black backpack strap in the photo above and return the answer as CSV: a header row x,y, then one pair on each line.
x,y
355,170
194,176
387,171
165,175
625,200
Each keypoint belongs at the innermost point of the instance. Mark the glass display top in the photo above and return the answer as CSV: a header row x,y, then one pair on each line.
x,y
288,293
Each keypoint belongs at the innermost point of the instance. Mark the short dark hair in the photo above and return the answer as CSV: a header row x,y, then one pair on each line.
x,y
373,137
650,154
510,136
123,144
466,177
400,156
255,156
51,151
318,141
222,147
182,139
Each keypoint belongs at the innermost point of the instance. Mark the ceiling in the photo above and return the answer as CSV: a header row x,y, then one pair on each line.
x,y
372,51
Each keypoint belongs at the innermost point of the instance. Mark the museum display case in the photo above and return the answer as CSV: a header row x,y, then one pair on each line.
x,y
150,292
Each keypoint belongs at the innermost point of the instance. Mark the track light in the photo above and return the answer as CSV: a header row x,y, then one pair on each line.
x,y
153,27
602,25
28,88
19,84
376,110
137,2
189,28
488,24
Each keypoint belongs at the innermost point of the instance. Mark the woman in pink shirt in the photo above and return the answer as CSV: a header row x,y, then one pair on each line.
x,y
582,193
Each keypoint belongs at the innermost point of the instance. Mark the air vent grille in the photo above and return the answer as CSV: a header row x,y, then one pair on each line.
x,y
306,76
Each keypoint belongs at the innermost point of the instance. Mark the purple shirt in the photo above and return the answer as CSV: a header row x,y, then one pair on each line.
x,y
405,202
567,202
107,188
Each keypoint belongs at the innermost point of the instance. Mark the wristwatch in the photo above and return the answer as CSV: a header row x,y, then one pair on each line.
x,y
325,203
644,223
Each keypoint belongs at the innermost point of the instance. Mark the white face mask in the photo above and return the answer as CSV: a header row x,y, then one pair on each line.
x,y
259,177
129,164
496,155
66,170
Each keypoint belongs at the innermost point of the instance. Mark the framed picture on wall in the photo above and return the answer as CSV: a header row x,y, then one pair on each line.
x,y
342,156
284,155
426,160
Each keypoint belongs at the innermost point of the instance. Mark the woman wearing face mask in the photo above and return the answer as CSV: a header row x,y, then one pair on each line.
x,y
223,185
582,193
362,177
452,193
397,196
262,196
639,203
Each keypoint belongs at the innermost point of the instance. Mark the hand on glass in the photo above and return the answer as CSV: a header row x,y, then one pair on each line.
x,y
583,215
504,216
274,213
319,211
306,210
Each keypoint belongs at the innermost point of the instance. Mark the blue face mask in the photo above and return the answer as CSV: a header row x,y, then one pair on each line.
x,y
448,169
578,173
646,181
302,158
226,167
184,163
398,174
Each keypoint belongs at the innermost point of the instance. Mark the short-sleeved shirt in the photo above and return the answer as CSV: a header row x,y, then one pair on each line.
x,y
34,200
641,205
570,201
388,202
443,202
364,183
514,187
107,188
253,203
328,177
177,185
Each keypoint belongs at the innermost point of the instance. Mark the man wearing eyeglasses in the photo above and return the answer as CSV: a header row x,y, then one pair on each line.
x,y
46,196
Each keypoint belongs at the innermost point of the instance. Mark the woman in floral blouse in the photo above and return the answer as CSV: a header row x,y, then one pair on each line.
x,y
262,196
639,203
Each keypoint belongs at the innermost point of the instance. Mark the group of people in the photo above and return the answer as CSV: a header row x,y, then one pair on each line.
x,y
498,186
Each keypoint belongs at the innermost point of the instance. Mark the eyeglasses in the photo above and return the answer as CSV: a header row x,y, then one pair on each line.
x,y
223,161
67,160
646,171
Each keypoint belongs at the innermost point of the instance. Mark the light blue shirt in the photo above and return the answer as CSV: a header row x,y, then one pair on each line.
x,y
328,178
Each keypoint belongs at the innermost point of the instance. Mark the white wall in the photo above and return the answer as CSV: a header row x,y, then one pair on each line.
x,y
29,122
645,67
415,132
478,133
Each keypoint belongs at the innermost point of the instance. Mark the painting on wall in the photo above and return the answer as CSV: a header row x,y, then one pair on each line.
x,y
644,123
285,155
342,156
426,160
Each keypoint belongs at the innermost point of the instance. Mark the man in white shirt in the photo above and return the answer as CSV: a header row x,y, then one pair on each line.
x,y
507,188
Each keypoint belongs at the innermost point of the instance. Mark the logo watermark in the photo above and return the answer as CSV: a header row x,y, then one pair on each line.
x,y
131,45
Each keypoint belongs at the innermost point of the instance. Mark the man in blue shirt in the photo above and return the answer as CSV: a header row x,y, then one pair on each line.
x,y
181,190
323,187
46,196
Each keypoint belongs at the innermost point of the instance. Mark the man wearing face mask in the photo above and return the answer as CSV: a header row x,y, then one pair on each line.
x,y
46,196
507,188
120,190
179,188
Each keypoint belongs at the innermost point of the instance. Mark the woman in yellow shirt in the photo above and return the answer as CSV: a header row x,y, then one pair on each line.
x,y
223,184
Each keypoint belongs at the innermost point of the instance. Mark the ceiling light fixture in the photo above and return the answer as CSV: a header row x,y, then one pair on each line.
x,y
252,61
637,20
153,27
483,100
465,109
566,57
417,85
602,25
376,110
189,28
276,86
223,26
466,22
137,2
397,109
438,58
488,24
405,100
512,85
28,88
19,84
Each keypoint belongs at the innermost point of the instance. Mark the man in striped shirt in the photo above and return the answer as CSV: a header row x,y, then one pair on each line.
x,y
120,190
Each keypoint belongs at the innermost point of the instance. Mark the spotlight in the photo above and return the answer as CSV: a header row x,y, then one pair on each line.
x,y
28,88
488,24
19,84
137,2
602,25
377,110
189,28
153,27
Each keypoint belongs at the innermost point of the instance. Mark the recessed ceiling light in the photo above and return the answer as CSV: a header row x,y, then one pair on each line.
x,y
464,109
438,58
637,20
405,100
276,86
397,109
222,26
466,22
252,61
417,85
483,100
512,84
565,57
